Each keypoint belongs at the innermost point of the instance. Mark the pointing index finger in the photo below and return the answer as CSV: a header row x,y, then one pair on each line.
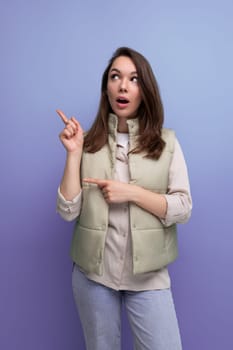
x,y
62,116
100,183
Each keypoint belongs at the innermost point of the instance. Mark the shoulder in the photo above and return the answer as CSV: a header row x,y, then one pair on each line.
x,y
169,136
166,132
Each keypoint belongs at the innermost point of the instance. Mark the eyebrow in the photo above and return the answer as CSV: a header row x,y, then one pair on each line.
x,y
118,71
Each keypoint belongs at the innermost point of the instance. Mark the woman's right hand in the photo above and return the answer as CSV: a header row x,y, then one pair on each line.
x,y
72,135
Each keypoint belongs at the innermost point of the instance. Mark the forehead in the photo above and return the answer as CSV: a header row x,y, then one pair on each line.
x,y
123,64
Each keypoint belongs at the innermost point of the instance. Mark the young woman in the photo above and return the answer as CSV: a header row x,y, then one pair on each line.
x,y
126,184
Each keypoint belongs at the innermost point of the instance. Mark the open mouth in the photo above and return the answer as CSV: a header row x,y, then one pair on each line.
x,y
122,100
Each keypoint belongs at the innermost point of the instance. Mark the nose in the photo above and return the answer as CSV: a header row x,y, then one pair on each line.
x,y
123,85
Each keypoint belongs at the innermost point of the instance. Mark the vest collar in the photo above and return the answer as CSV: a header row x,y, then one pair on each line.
x,y
133,126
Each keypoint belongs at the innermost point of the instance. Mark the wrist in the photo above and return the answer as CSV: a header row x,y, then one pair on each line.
x,y
74,154
135,193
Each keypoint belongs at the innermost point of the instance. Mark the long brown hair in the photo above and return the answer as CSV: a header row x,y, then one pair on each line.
x,y
150,113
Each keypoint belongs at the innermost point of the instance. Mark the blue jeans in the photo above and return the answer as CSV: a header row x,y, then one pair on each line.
x,y
151,315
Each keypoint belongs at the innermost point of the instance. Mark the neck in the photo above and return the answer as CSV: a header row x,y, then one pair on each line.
x,y
122,125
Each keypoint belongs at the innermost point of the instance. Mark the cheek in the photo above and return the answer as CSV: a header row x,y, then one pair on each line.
x,y
109,92
137,93
109,95
139,98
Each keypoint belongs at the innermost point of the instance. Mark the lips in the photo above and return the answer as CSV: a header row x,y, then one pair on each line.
x,y
122,100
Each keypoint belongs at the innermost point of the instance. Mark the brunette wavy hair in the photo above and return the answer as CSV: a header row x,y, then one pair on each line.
x,y
150,113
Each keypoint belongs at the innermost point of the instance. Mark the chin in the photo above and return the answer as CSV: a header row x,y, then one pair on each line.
x,y
125,114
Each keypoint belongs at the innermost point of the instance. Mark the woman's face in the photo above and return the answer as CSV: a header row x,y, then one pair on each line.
x,y
123,88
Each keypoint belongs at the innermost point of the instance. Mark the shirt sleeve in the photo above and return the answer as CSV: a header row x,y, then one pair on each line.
x,y
178,196
68,210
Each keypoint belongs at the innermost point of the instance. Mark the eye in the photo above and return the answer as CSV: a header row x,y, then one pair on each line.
x,y
114,76
134,79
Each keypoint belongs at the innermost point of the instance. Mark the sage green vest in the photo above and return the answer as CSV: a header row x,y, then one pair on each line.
x,y
154,245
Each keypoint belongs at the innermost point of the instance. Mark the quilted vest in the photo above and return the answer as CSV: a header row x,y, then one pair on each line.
x,y
154,245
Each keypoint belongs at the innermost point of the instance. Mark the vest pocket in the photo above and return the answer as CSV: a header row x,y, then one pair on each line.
x,y
87,249
153,249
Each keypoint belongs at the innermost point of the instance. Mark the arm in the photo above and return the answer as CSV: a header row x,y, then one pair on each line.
x,y
68,210
70,184
178,197
155,203
119,192
173,207
72,139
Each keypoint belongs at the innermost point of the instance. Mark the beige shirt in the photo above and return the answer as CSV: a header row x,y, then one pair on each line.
x,y
118,262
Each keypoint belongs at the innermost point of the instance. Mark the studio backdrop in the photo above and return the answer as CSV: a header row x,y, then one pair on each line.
x,y
53,54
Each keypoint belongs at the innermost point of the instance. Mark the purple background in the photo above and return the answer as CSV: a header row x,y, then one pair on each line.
x,y
52,56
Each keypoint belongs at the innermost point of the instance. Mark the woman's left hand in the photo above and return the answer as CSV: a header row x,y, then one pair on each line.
x,y
120,192
113,191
